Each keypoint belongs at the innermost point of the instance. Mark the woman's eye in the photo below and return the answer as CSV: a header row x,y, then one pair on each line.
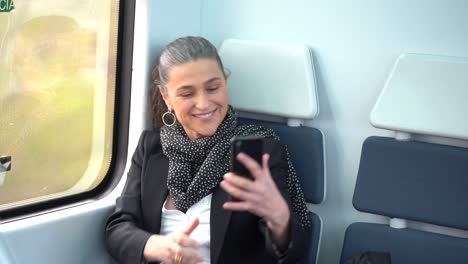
x,y
212,89
186,95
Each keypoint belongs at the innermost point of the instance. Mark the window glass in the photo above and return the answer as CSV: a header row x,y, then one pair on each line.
x,y
57,91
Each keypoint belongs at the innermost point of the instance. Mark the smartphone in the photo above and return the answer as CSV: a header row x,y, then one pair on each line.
x,y
252,146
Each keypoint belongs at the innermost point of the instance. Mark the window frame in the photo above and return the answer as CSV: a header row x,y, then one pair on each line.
x,y
123,79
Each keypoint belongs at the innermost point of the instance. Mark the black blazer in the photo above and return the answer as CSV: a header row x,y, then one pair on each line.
x,y
236,237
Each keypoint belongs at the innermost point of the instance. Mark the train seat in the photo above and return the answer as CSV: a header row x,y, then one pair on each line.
x,y
257,90
406,179
416,181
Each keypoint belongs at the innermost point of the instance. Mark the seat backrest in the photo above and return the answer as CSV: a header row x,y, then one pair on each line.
x,y
416,181
413,180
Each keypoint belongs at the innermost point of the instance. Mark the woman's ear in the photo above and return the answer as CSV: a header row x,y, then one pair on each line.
x,y
165,97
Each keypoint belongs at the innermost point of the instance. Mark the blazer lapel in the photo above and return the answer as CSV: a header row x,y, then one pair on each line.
x,y
156,189
219,220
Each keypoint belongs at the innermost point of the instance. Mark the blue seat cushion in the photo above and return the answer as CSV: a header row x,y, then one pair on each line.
x,y
405,245
413,180
305,146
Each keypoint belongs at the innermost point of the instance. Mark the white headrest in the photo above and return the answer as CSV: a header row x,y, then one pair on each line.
x,y
271,78
425,94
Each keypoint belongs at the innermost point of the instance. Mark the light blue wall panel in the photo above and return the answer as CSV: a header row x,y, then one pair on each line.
x,y
169,20
355,44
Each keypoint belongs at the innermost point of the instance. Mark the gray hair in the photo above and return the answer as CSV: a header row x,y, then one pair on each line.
x,y
184,50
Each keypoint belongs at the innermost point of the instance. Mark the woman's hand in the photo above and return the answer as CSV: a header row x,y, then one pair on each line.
x,y
167,248
260,197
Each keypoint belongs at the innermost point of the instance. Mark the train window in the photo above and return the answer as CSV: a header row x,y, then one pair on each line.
x,y
58,62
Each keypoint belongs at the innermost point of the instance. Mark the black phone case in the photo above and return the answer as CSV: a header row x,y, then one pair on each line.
x,y
252,146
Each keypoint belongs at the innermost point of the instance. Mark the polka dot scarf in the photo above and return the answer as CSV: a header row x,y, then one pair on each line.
x,y
196,167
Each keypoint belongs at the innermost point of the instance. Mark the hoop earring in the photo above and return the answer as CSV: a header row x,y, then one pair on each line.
x,y
169,112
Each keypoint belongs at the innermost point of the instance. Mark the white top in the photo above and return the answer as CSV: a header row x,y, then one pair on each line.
x,y
174,220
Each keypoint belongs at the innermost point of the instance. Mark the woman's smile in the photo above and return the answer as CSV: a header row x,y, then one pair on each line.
x,y
205,116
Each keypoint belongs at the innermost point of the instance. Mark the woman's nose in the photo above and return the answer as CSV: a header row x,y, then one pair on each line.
x,y
203,101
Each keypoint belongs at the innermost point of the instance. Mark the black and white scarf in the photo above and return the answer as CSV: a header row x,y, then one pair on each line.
x,y
197,166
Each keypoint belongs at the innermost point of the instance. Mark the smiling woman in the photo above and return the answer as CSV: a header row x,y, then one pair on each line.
x,y
182,167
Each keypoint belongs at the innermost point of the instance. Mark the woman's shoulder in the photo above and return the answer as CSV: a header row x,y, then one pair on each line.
x,y
150,140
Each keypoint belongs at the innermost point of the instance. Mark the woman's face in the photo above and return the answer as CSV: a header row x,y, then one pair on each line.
x,y
197,93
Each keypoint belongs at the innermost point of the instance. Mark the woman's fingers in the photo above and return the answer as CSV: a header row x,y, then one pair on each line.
x,y
188,254
250,164
235,191
260,196
185,241
265,159
255,208
165,248
185,246
251,194
182,237
239,181
256,170
236,206
191,226
249,200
